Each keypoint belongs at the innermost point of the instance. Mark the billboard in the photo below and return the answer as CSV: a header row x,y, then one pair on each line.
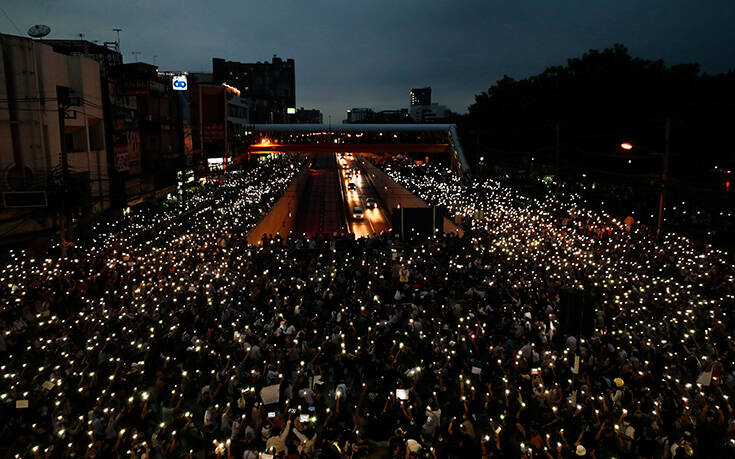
x,y
179,83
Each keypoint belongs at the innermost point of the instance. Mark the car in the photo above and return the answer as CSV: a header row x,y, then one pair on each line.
x,y
371,203
351,186
357,213
348,174
349,155
356,171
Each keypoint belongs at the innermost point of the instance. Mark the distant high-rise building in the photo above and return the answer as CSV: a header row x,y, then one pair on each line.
x,y
421,96
270,85
368,115
359,115
429,113
304,116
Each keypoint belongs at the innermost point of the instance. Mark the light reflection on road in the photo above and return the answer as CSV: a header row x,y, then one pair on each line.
x,y
375,219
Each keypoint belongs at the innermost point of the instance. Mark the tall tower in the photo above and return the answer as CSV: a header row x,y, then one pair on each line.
x,y
421,96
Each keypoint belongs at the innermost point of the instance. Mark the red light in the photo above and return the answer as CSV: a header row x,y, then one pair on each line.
x,y
727,186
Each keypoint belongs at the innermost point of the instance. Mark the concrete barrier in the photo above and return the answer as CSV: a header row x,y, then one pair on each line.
x,y
281,217
394,195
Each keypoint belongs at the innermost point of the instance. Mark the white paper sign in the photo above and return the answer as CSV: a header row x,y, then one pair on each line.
x,y
705,378
269,394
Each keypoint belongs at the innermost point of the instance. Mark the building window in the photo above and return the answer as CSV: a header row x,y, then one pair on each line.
x,y
74,139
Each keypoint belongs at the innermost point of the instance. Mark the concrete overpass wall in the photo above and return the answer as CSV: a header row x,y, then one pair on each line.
x,y
394,195
459,162
281,217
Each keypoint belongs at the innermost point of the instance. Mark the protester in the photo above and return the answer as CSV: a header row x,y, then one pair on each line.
x,y
170,336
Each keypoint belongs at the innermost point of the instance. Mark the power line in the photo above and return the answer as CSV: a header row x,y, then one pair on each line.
x,y
11,21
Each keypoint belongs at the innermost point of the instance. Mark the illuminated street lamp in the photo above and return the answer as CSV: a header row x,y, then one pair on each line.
x,y
664,174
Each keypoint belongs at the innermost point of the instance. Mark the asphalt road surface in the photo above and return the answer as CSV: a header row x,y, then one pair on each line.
x,y
375,220
326,205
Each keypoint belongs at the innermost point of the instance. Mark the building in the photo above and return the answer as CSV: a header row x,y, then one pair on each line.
x,y
121,126
421,96
52,137
124,129
429,113
368,115
151,132
219,119
303,116
392,116
105,56
144,123
359,115
184,105
238,118
270,86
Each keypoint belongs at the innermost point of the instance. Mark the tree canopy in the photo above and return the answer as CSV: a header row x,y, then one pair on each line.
x,y
605,96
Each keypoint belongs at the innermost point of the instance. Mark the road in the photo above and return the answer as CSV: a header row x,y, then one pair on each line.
x,y
321,210
326,205
375,219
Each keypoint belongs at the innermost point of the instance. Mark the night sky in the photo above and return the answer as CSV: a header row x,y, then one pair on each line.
x,y
355,53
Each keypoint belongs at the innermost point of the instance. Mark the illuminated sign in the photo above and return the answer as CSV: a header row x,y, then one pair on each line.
x,y
291,111
179,83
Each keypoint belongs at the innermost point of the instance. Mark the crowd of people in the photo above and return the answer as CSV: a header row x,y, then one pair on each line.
x,y
170,336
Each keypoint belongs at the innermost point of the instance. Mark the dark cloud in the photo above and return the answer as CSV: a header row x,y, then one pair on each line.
x,y
354,53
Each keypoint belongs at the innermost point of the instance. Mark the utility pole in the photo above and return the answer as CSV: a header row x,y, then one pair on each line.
x,y
65,226
201,124
557,151
664,176
136,55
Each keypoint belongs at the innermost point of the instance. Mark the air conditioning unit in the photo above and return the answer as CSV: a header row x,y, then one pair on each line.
x,y
18,199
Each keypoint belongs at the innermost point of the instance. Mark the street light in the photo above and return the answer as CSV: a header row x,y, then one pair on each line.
x,y
664,173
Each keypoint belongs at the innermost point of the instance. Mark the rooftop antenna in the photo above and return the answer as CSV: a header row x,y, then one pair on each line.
x,y
116,30
154,58
81,38
136,55
39,31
